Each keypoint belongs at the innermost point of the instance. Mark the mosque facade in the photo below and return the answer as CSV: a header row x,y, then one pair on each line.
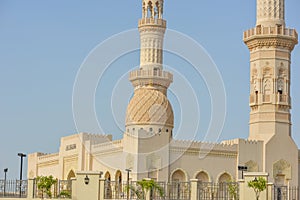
x,y
148,148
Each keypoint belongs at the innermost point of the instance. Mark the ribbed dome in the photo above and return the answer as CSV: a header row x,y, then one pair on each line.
x,y
149,106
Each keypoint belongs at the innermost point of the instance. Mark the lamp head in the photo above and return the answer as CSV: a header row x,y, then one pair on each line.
x,y
21,154
86,180
128,170
6,170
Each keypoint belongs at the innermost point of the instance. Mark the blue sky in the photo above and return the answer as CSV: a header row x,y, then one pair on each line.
x,y
43,44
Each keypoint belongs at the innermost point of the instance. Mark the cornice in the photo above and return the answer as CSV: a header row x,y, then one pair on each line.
x,y
48,163
197,152
260,41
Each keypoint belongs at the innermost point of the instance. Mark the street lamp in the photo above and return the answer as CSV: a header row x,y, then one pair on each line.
x,y
21,155
242,168
86,180
128,170
5,171
101,173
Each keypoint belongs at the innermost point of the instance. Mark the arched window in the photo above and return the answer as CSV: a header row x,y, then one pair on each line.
x,y
118,181
202,176
178,176
225,177
107,176
71,175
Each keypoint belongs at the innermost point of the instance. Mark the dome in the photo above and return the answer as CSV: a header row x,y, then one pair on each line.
x,y
149,106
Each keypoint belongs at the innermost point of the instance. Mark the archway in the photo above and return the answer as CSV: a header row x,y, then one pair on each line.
x,y
71,174
202,176
107,176
282,171
118,182
118,177
178,176
224,178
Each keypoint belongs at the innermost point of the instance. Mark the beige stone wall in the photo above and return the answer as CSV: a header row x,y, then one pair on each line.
x,y
281,157
214,164
250,154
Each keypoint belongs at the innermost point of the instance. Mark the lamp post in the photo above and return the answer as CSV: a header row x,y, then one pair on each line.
x,y
21,155
5,171
128,170
242,168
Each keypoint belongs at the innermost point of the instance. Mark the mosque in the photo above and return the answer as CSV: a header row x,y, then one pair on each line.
x,y
148,148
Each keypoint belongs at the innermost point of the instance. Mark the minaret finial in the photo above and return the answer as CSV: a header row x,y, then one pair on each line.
x,y
153,8
270,13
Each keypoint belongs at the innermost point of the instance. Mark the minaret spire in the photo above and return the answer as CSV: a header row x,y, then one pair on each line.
x,y
270,44
270,12
152,29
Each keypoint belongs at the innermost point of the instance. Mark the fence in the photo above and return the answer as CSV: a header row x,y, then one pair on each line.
x,y
179,190
286,193
119,190
217,191
61,189
158,194
172,191
13,188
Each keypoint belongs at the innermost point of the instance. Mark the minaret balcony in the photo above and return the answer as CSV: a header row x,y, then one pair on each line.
x,y
273,31
152,21
278,98
156,77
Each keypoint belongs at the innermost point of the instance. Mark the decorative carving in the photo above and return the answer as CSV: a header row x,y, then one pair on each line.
x,y
282,72
267,86
282,167
261,41
31,174
129,161
153,161
280,85
267,71
252,166
143,108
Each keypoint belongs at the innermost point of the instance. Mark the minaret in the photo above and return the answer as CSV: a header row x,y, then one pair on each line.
x,y
270,44
149,117
149,109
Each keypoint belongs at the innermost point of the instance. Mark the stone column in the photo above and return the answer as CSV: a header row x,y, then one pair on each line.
x,y
194,189
241,188
30,188
148,195
270,191
73,188
102,189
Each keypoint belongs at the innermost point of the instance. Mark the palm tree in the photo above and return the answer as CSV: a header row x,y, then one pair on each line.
x,y
143,187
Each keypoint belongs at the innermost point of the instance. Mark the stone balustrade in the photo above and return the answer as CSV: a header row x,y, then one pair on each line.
x,y
270,31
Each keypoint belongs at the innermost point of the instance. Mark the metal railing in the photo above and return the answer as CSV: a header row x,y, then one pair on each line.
x,y
155,193
13,188
115,190
179,190
285,193
217,191
61,189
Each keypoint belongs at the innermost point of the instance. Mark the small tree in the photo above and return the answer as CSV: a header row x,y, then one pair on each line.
x,y
145,186
65,194
233,189
258,186
44,184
